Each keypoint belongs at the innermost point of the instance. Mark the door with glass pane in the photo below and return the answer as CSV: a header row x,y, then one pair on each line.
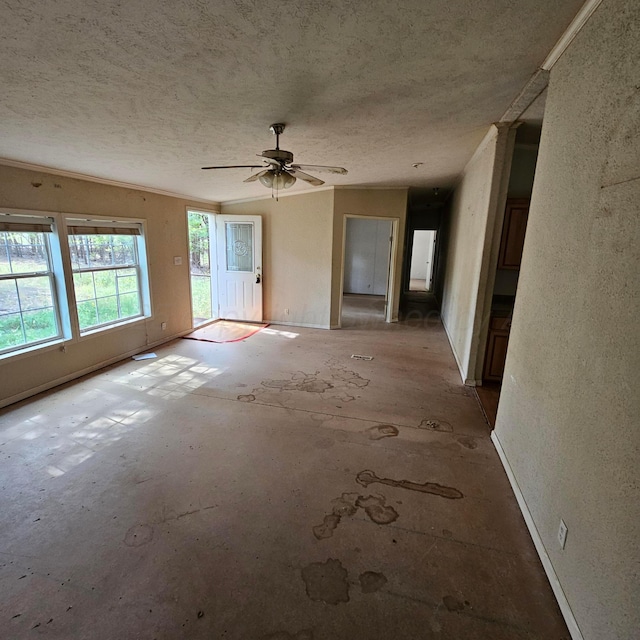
x,y
239,255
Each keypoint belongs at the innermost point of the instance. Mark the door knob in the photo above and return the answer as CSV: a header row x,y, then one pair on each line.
x,y
258,279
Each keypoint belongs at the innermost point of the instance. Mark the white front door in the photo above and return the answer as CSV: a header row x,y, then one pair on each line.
x,y
239,249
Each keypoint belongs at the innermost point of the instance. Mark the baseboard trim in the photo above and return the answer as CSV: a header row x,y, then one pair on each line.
x,y
558,591
469,382
18,397
299,324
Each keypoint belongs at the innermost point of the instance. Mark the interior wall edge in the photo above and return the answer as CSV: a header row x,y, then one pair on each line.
x,y
541,550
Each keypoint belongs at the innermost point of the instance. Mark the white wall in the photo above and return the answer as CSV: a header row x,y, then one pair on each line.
x,y
568,419
477,212
297,253
366,268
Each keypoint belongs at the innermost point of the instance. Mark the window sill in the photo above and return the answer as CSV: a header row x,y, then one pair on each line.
x,y
90,333
25,352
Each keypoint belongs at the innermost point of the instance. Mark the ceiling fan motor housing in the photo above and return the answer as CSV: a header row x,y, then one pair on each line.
x,y
278,154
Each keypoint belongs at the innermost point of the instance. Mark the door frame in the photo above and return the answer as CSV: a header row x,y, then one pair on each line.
x,y
393,252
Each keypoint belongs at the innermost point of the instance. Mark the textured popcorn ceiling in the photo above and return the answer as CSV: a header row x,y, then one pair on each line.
x,y
148,91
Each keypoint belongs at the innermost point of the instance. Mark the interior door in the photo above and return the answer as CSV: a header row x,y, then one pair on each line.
x,y
239,257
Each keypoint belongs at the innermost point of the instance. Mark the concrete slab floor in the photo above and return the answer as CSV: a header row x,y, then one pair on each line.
x,y
273,488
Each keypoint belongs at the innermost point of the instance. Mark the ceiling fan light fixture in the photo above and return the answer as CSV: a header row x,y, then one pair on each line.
x,y
273,180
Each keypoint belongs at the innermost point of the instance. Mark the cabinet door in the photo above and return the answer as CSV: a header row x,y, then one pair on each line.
x,y
513,232
496,355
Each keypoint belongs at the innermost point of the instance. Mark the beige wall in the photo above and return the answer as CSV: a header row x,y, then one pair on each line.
x,y
476,215
568,420
166,237
296,255
388,203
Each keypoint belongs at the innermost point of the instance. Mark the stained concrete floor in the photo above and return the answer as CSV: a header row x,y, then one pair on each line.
x,y
273,488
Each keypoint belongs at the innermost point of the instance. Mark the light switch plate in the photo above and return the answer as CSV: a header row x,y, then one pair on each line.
x,y
177,260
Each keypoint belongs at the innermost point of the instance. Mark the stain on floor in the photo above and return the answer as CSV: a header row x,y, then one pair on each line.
x,y
452,604
435,425
347,505
380,431
326,581
138,535
365,478
377,509
371,581
469,442
336,383
326,529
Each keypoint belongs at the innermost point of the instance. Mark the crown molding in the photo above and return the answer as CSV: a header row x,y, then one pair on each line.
x,y
111,183
571,32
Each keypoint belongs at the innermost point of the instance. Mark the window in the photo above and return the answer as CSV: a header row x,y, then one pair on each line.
x,y
106,272
28,307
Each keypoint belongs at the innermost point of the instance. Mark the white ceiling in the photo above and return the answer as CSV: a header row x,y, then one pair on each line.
x,y
148,91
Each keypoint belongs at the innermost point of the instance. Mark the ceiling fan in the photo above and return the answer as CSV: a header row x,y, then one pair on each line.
x,y
279,172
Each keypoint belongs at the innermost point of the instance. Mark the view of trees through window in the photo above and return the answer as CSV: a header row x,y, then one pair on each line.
x,y
27,309
105,278
200,266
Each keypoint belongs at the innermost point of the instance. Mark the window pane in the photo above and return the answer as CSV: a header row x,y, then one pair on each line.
x,y
87,314
102,251
35,293
23,252
129,305
11,331
105,283
127,281
9,302
107,309
40,324
83,286
239,239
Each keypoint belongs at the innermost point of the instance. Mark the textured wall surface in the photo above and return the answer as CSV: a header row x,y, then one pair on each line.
x,y
296,255
476,215
568,415
166,237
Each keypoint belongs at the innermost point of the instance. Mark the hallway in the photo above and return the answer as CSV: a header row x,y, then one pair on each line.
x,y
273,488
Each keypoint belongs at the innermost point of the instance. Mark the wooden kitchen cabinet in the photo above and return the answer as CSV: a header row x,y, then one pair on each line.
x,y
496,353
513,231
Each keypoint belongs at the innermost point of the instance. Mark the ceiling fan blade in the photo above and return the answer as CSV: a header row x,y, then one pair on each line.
x,y
306,177
271,161
237,166
320,168
255,176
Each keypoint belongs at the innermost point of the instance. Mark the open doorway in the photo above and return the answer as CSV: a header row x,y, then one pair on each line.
x,y
366,278
423,248
201,226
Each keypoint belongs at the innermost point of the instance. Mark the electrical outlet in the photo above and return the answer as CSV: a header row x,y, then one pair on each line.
x,y
562,533
177,260
163,326
286,312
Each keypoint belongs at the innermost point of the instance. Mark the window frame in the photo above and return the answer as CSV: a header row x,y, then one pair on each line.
x,y
54,275
141,267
